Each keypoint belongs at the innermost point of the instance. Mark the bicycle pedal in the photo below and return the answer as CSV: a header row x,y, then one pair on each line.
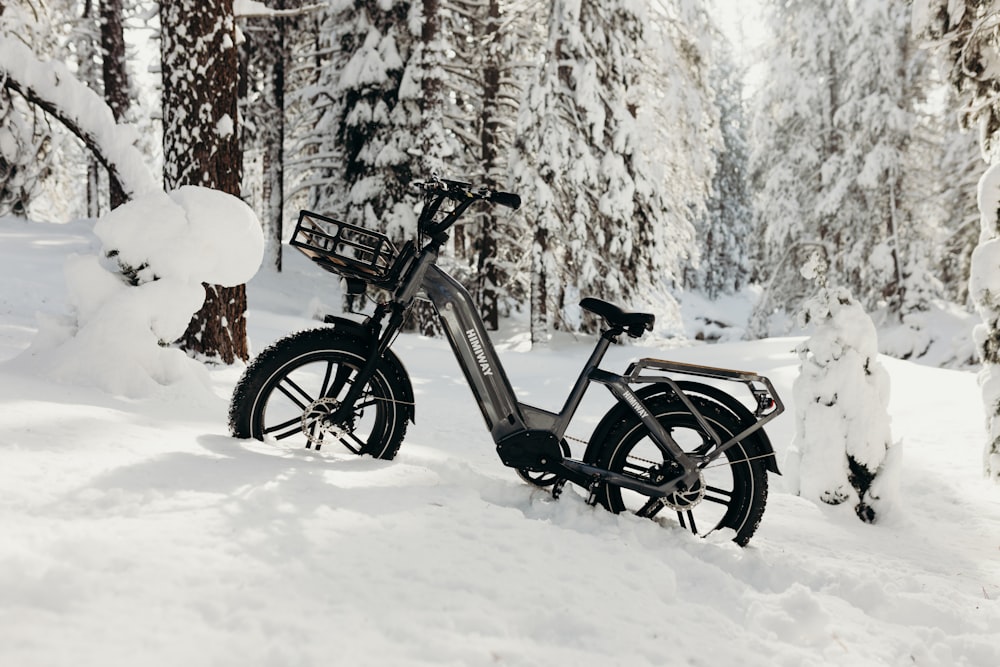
x,y
557,488
594,485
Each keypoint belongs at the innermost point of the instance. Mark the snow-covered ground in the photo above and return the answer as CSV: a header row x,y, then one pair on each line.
x,y
136,532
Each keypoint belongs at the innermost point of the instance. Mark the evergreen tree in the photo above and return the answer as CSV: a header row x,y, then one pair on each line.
x,y
875,120
725,232
366,152
593,198
967,33
114,72
493,42
795,141
267,54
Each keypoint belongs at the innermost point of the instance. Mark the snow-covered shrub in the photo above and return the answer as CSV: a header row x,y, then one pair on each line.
x,y
843,449
119,334
984,288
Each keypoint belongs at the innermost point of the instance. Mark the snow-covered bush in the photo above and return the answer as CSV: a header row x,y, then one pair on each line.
x,y
843,449
169,244
984,287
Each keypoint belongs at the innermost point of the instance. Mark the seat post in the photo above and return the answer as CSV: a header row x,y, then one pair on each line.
x,y
583,381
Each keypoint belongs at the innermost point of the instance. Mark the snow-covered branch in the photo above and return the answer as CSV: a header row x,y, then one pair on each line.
x,y
51,87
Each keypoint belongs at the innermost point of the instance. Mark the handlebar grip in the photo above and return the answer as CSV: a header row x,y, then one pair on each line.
x,y
508,199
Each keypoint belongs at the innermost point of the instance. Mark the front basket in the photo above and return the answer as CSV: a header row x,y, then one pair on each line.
x,y
348,250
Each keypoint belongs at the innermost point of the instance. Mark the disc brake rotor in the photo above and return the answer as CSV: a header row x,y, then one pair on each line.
x,y
682,501
316,424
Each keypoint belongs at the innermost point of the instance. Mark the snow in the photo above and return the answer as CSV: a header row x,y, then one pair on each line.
x,y
841,395
137,532
116,336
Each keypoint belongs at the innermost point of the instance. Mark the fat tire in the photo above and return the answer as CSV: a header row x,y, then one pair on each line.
x,y
390,399
748,473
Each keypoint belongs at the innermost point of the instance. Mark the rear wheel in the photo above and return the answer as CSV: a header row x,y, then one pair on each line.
x,y
290,391
731,491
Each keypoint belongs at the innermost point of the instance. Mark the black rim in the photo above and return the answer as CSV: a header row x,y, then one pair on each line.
x,y
293,409
720,498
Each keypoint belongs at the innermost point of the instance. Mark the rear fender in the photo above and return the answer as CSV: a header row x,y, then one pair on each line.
x,y
758,440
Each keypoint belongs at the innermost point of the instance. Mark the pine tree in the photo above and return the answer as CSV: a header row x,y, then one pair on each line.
x,y
114,73
967,34
593,198
267,54
366,137
201,143
725,232
492,41
795,140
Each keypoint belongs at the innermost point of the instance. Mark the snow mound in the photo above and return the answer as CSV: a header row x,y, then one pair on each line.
x,y
843,449
170,243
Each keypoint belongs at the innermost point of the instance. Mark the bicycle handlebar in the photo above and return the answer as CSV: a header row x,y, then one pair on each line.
x,y
460,191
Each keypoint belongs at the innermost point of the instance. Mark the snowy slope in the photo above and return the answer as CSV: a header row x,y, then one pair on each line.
x,y
136,532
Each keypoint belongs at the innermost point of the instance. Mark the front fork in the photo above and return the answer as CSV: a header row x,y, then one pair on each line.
x,y
377,347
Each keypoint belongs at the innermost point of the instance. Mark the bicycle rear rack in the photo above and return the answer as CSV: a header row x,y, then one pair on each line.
x,y
768,404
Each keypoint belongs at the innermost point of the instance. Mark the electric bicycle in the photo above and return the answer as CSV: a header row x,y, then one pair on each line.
x,y
672,448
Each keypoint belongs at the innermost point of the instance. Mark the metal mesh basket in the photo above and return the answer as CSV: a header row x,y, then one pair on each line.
x,y
348,250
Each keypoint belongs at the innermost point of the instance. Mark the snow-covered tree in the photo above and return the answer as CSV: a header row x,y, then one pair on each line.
x,y
367,167
959,155
725,232
52,88
968,33
876,120
24,132
201,143
494,42
834,122
267,52
843,449
593,194
117,90
794,136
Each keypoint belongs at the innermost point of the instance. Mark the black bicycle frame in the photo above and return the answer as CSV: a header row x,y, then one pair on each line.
x,y
505,416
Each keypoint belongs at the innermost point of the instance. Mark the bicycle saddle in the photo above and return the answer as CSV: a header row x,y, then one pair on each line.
x,y
635,324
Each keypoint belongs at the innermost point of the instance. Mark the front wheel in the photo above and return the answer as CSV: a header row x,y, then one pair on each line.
x,y
731,491
290,391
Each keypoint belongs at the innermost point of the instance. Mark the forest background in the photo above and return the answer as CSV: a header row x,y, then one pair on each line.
x,y
650,172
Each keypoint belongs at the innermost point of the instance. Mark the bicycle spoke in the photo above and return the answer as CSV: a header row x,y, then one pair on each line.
x,y
690,515
360,443
326,378
362,406
723,497
295,424
287,391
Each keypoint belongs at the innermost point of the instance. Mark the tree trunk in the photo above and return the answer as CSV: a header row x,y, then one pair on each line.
x,y
488,276
115,75
274,137
201,144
